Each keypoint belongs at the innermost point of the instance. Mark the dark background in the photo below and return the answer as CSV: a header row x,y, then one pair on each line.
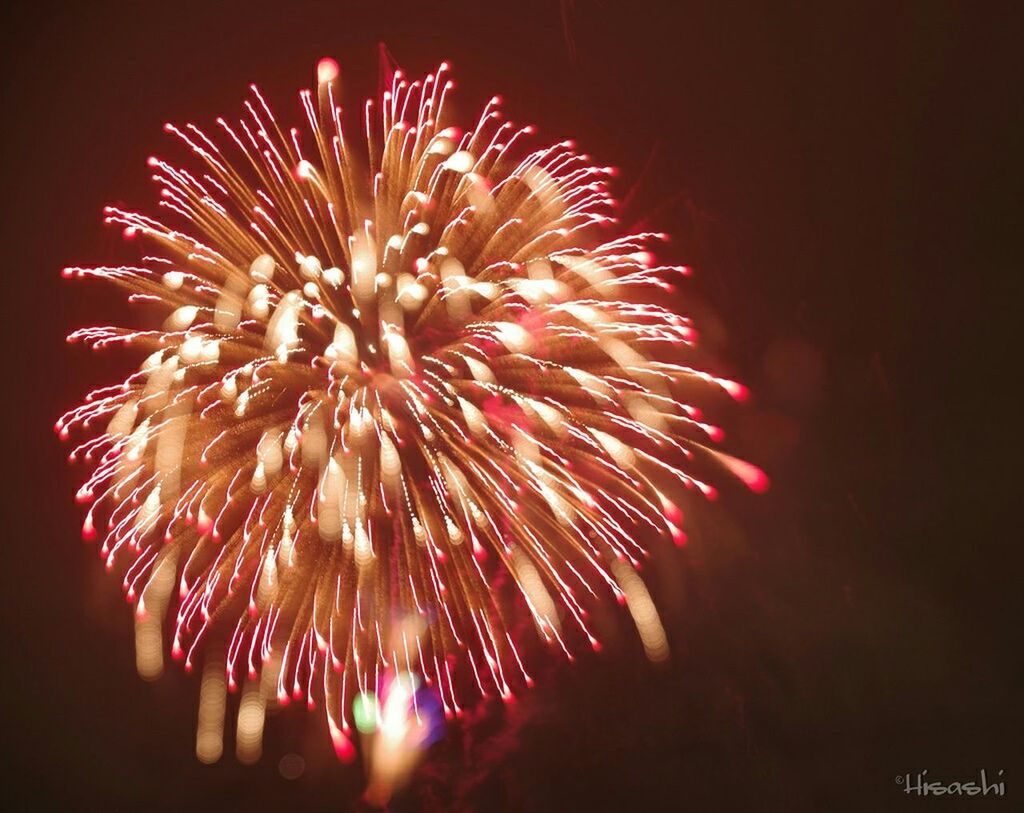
x,y
844,177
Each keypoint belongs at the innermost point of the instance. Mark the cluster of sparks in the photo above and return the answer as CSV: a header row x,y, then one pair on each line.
x,y
410,399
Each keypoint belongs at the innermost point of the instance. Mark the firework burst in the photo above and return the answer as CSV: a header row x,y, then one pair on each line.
x,y
407,395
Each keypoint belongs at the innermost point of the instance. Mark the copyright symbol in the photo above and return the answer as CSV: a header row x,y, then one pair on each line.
x,y
899,779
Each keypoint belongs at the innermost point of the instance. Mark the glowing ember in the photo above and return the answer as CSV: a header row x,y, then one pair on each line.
x,y
386,376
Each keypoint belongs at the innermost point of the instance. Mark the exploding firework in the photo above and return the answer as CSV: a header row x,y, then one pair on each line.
x,y
411,398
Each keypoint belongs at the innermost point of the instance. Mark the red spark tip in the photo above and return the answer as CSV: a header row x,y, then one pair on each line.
x,y
67,273
758,482
678,536
751,476
343,748
672,511
738,391
205,522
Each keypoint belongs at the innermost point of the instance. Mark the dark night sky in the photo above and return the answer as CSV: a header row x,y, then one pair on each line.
x,y
844,177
